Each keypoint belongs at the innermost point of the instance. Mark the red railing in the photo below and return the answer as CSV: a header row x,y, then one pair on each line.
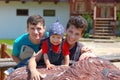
x,y
114,17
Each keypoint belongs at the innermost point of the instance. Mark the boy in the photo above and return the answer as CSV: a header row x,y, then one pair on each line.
x,y
75,29
55,51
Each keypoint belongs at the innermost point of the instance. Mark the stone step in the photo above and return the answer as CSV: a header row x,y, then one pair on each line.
x,y
101,24
104,33
104,19
104,27
104,40
102,37
107,30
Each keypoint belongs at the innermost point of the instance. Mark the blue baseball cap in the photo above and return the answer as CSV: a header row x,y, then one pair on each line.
x,y
56,28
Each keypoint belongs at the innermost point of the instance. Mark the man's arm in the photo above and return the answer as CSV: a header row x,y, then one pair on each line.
x,y
35,75
33,61
16,59
16,52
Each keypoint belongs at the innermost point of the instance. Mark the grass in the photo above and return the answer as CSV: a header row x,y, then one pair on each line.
x,y
7,41
9,51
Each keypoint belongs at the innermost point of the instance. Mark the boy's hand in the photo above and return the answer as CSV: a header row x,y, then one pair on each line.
x,y
87,55
35,75
50,66
85,49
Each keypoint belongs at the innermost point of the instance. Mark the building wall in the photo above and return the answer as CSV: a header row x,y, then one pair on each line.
x,y
11,25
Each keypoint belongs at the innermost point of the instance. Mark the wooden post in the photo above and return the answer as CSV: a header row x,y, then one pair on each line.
x,y
94,18
115,19
3,49
3,54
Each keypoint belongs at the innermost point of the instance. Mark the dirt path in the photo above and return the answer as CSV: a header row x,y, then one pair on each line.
x,y
100,48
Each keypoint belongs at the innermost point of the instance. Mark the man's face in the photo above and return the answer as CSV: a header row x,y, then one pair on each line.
x,y
73,34
36,32
55,39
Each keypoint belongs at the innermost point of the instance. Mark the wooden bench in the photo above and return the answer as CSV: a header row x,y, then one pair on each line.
x,y
5,63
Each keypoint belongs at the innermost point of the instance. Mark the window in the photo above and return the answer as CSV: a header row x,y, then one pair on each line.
x,y
22,12
80,7
47,12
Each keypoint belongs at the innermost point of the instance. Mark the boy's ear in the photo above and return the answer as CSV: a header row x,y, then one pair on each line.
x,y
44,28
82,34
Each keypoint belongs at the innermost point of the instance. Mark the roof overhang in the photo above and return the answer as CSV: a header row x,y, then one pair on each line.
x,y
106,1
40,1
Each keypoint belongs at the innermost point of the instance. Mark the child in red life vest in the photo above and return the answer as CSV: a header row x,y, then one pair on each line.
x,y
54,49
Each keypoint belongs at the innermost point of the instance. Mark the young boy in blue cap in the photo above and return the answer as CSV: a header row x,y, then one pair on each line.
x,y
54,49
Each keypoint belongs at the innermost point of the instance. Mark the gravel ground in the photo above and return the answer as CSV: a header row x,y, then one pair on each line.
x,y
102,48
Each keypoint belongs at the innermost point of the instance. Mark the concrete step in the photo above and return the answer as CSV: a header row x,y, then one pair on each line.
x,y
104,19
104,33
104,40
101,37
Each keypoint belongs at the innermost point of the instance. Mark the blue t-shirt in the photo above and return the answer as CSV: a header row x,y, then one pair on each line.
x,y
23,40
47,34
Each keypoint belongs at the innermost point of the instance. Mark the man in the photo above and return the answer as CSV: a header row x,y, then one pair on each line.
x,y
29,43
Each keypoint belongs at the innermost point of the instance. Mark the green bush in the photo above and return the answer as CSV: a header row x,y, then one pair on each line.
x,y
86,35
90,24
118,26
118,16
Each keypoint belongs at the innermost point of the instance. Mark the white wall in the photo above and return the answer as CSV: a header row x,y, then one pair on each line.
x,y
11,26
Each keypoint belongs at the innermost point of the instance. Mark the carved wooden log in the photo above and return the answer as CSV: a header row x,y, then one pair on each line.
x,y
89,69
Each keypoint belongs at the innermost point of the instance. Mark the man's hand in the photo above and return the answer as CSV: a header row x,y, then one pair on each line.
x,y
35,75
